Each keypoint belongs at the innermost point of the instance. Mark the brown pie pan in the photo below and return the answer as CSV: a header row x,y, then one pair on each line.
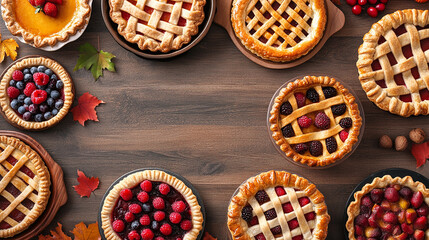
x,y
203,28
58,189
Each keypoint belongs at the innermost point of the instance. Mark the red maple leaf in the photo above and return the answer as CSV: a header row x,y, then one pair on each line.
x,y
420,153
85,109
86,185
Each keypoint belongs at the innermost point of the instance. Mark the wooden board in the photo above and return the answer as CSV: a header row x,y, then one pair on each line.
x,y
203,115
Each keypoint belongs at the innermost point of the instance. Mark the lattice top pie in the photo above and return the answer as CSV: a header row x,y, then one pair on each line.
x,y
24,186
279,30
393,63
315,120
157,25
278,205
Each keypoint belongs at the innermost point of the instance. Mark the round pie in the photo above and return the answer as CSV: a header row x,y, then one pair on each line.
x,y
315,120
39,29
156,25
35,93
278,205
391,208
149,204
279,31
393,63
24,186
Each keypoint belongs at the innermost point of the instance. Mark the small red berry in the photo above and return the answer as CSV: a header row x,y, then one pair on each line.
x,y
186,225
118,226
126,194
372,11
303,201
147,234
165,229
39,96
158,203
145,220
310,216
159,216
133,235
143,197
380,7
50,9
41,78
362,2
164,189
17,75
351,2
135,208
160,238
175,217
344,135
357,9
13,92
372,1
280,191
39,2
129,217
178,206
146,186
304,122
29,89
300,99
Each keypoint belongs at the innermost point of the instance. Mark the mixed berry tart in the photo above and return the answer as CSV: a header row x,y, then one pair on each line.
x,y
389,208
278,205
315,121
151,204
35,93
24,186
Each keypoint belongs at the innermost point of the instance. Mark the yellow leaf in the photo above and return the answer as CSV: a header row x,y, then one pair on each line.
x,y
8,47
58,234
81,232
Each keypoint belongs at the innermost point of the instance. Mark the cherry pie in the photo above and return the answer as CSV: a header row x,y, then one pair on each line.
x,y
393,63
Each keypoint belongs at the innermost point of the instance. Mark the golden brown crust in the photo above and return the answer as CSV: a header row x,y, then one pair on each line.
x,y
354,208
41,180
154,175
12,116
367,51
79,21
306,83
144,40
239,14
237,226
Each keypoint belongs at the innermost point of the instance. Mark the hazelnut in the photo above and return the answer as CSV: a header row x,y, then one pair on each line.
x,y
417,135
385,142
401,143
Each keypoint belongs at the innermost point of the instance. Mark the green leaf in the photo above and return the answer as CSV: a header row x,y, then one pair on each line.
x,y
91,59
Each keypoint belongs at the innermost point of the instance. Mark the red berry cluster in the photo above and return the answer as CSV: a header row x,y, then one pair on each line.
x,y
372,7
49,7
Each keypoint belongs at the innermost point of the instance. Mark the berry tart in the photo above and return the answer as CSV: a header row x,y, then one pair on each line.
x,y
315,121
45,23
393,63
151,204
279,31
389,208
278,205
157,25
24,186
35,93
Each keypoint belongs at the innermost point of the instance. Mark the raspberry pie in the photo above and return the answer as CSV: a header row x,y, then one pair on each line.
x,y
389,208
35,93
24,186
151,204
393,63
278,205
315,120
279,31
157,25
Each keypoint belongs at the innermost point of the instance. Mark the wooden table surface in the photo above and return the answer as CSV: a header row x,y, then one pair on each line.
x,y
203,115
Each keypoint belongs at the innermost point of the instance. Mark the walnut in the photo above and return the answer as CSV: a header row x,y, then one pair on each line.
x,y
401,143
385,142
417,135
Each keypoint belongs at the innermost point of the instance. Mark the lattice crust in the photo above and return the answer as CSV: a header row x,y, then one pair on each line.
x,y
279,30
374,48
295,188
147,27
278,121
25,182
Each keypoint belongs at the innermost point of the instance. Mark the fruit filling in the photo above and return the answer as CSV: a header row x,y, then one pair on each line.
x,y
395,212
151,210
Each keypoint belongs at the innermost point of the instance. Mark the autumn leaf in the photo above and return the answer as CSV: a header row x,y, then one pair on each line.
x,y
81,232
420,153
8,47
207,236
95,61
86,185
56,234
85,109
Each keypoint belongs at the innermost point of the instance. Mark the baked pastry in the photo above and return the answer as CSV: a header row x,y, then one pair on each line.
x,y
24,186
35,93
279,31
315,120
395,208
151,204
156,25
39,29
278,205
393,63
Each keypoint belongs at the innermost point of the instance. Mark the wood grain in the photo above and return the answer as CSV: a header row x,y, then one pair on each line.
x,y
203,115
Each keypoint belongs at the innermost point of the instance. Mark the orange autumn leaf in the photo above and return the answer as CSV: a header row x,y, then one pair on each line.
x,y
86,185
8,47
56,234
81,232
207,236
85,109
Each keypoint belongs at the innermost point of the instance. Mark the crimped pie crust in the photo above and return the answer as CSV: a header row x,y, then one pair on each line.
x,y
354,208
12,116
154,175
368,50
41,182
303,84
315,10
79,21
238,227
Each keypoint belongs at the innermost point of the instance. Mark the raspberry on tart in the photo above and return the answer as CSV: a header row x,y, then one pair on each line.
x,y
172,214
